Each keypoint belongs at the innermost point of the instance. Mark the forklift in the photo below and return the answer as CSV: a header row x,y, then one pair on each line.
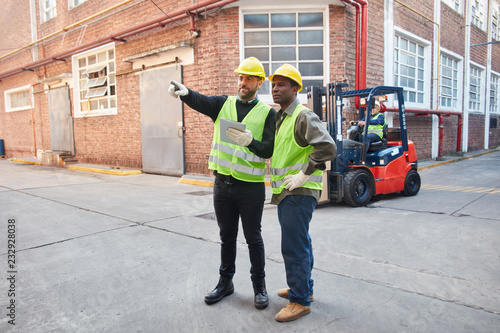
x,y
358,174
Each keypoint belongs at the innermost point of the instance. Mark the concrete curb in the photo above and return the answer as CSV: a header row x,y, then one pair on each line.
x,y
105,171
436,164
26,161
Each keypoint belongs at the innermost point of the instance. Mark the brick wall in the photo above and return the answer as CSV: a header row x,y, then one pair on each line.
x,y
116,140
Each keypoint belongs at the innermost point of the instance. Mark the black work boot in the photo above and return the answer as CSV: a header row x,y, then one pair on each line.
x,y
224,288
261,300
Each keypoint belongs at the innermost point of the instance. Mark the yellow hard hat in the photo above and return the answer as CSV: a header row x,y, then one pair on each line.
x,y
251,66
290,72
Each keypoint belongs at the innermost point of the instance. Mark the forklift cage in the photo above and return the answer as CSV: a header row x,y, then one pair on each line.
x,y
334,96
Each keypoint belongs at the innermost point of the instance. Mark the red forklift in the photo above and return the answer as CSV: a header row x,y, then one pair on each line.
x,y
358,174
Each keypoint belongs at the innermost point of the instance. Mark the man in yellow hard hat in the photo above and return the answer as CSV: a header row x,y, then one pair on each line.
x,y
239,168
302,146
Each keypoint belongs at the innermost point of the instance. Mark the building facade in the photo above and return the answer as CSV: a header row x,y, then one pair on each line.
x,y
91,77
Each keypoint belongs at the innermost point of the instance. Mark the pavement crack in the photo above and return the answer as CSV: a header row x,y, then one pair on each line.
x,y
70,239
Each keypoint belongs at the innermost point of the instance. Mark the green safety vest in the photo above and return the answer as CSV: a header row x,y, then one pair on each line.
x,y
232,159
289,158
377,129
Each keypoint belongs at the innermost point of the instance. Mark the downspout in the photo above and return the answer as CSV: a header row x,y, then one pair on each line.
x,y
440,114
361,42
33,117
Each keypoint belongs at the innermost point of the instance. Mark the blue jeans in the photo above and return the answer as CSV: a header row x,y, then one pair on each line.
x,y
246,201
295,213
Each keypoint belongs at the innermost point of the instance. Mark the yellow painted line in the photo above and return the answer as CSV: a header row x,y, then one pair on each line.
x,y
26,161
106,171
485,190
205,183
476,189
461,189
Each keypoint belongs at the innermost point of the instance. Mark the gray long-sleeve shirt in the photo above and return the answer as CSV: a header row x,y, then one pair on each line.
x,y
309,130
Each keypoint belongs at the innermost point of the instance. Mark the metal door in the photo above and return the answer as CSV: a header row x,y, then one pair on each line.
x,y
162,127
61,121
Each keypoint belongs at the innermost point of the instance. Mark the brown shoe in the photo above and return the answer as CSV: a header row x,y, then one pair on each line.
x,y
292,311
284,293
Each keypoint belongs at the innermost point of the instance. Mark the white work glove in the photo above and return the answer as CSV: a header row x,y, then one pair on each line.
x,y
295,181
177,89
240,137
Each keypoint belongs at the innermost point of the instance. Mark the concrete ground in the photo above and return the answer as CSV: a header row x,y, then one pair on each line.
x,y
99,252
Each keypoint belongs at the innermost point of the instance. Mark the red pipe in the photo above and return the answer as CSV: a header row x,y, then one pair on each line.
x,y
440,114
151,24
361,43
441,130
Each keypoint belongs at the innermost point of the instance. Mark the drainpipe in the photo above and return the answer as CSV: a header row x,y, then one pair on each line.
x,y
440,114
33,117
361,42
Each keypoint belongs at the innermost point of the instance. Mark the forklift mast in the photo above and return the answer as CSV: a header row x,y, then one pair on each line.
x,y
331,99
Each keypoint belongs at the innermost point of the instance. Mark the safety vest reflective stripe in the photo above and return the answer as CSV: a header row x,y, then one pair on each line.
x,y
377,129
232,159
312,179
283,171
237,153
237,167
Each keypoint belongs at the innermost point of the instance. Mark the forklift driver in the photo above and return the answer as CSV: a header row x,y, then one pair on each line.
x,y
376,126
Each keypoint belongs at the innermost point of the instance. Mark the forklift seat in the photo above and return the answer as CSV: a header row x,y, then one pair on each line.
x,y
374,146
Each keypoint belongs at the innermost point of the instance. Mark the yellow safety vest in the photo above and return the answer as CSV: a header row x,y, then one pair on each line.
x,y
289,158
377,129
232,159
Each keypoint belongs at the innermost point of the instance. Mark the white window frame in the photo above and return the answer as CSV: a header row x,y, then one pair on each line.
x,y
455,5
427,69
47,12
494,93
267,98
94,91
75,3
8,101
477,13
480,101
495,20
459,71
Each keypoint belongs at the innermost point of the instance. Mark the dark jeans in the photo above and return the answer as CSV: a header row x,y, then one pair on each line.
x,y
232,201
372,137
295,214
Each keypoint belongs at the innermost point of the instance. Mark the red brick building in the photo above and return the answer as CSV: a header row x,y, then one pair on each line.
x,y
91,77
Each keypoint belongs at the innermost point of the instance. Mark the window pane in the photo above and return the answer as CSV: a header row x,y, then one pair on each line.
x,y
256,38
413,47
283,37
101,57
283,53
311,53
311,69
260,53
264,89
310,19
311,37
256,21
282,20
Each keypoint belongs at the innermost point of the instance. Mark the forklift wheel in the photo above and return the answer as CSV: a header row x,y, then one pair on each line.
x,y
412,183
357,188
